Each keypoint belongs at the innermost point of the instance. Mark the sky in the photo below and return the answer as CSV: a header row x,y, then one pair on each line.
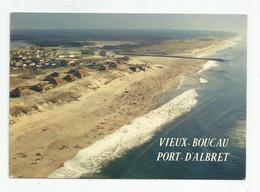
x,y
232,23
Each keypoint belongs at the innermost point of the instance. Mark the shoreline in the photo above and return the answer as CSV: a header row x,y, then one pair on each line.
x,y
59,133
90,160
73,135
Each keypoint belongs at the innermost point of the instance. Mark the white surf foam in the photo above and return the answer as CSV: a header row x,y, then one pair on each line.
x,y
208,65
203,81
90,160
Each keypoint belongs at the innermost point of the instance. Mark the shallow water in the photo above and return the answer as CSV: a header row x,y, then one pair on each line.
x,y
221,112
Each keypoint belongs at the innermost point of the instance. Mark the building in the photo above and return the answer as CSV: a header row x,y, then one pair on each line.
x,y
57,81
20,91
101,67
42,86
111,64
70,78
80,73
49,77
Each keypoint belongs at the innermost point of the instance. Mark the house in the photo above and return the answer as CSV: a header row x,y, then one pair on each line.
x,y
71,62
18,64
80,73
42,86
138,67
48,87
134,68
20,91
126,58
57,81
63,62
101,67
111,64
70,77
90,65
120,60
32,64
71,71
49,77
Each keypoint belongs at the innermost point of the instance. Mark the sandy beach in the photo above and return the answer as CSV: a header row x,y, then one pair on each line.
x,y
58,137
90,160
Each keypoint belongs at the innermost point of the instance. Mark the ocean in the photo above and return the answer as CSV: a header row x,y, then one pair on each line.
x,y
220,113
75,38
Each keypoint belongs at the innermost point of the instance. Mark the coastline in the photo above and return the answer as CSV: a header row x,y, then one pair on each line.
x,y
90,160
76,145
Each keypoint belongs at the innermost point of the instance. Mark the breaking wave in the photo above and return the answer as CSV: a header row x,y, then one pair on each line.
x,y
90,160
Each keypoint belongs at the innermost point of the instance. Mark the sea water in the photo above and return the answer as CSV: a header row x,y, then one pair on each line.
x,y
220,113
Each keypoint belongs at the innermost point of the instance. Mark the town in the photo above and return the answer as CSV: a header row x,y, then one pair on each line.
x,y
41,57
77,62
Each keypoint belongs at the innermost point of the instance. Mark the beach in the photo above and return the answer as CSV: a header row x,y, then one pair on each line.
x,y
90,160
70,138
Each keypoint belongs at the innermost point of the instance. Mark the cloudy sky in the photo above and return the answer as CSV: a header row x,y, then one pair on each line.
x,y
235,23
